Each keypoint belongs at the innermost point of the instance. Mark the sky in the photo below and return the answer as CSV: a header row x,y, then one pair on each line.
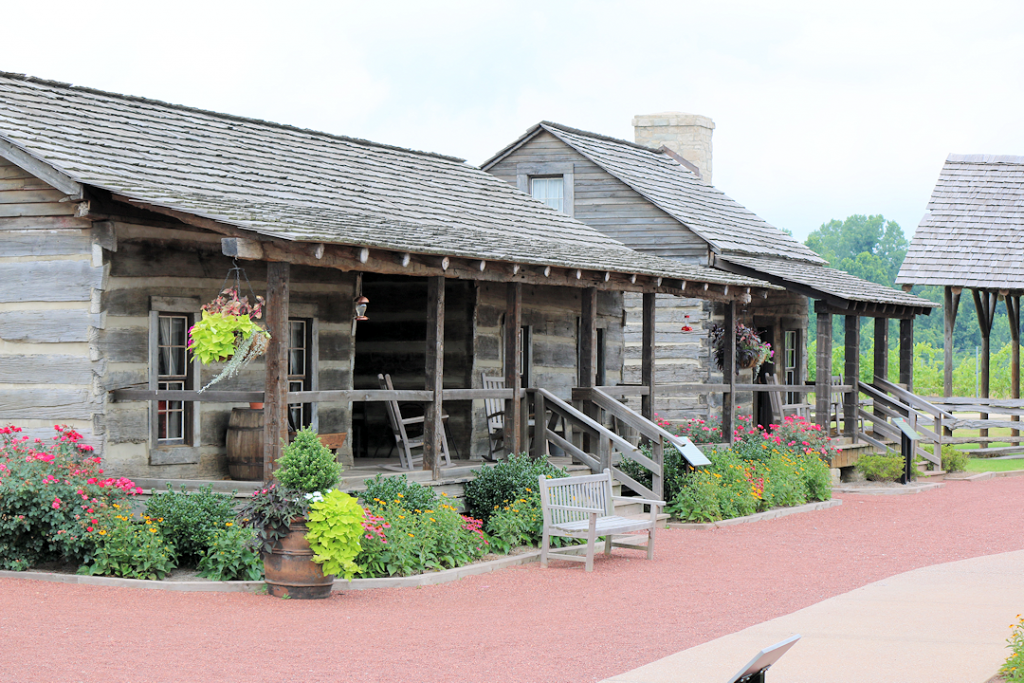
x,y
822,110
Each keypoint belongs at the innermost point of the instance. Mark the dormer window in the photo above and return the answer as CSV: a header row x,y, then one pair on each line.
x,y
549,190
551,183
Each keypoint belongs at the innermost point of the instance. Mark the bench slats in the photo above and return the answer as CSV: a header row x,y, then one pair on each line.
x,y
584,507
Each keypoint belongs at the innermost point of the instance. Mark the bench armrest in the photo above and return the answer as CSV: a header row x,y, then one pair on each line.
x,y
576,508
645,501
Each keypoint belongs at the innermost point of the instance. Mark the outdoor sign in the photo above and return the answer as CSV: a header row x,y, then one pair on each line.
x,y
754,672
690,453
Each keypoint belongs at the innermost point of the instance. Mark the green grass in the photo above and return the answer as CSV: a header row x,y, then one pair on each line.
x,y
989,465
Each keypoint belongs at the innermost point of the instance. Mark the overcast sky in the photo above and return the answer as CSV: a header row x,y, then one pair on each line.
x,y
821,109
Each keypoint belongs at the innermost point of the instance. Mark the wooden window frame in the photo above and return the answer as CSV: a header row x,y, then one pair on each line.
x,y
795,368
526,172
310,378
162,453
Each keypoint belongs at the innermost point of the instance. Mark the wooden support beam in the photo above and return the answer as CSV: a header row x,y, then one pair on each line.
x,y
1013,312
729,374
851,375
275,402
985,305
513,365
881,356
588,351
433,429
823,379
907,353
950,304
647,353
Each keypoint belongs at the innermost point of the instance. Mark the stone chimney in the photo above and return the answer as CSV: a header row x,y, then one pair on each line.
x,y
688,135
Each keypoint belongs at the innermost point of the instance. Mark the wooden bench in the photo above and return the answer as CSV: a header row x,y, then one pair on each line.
x,y
584,507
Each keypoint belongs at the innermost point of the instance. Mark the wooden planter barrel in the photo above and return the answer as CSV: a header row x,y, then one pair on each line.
x,y
245,444
289,570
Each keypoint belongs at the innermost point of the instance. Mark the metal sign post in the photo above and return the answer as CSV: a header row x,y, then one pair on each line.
x,y
907,439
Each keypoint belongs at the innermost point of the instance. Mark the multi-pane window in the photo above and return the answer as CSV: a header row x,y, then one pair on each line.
x,y
299,372
792,361
173,374
550,191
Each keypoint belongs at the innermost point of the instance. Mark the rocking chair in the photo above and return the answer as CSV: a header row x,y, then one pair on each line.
x,y
405,444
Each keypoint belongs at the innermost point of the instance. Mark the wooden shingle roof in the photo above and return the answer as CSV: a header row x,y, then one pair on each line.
x,y
725,224
301,185
973,233
830,284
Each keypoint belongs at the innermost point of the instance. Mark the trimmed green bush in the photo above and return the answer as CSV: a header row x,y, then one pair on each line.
x,y
508,481
390,489
881,467
307,465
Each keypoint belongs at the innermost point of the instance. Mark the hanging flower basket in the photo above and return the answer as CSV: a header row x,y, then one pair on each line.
x,y
229,332
751,352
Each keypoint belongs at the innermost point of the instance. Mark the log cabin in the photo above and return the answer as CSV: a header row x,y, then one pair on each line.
x,y
655,195
121,216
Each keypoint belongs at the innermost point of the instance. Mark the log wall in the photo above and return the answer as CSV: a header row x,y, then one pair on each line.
x,y
151,264
52,273
551,314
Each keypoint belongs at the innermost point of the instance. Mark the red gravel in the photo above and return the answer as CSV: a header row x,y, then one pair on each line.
x,y
520,624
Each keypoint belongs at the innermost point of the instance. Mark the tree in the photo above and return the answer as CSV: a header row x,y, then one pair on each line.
x,y
869,247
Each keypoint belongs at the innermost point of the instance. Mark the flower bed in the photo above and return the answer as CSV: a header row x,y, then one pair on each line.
x,y
783,466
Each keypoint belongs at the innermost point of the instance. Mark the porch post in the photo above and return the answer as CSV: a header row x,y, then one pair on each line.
x,y
985,305
588,352
433,428
275,402
907,353
823,361
950,303
851,357
881,360
1013,311
513,367
647,355
729,374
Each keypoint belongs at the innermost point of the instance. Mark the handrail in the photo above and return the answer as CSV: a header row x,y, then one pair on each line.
x,y
367,395
649,429
569,411
607,441
912,399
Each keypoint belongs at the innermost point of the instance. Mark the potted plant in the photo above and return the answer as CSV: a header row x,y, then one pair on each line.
x,y
307,473
751,352
228,331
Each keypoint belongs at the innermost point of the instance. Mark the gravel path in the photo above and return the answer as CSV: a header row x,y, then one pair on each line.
x,y
520,624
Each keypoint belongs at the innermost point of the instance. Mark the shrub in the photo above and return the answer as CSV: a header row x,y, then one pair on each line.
x,y
52,496
1013,668
413,495
307,465
674,471
334,523
189,520
509,480
130,548
230,555
953,459
881,467
519,523
696,430
398,541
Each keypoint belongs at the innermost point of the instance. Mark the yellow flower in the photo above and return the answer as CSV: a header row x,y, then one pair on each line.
x,y
116,506
432,519
103,532
401,516
411,536
228,524
400,495
152,529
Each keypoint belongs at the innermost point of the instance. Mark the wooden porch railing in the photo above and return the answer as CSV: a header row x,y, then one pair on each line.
x,y
891,401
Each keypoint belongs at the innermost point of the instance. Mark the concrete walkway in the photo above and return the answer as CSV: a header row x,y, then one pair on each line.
x,y
948,622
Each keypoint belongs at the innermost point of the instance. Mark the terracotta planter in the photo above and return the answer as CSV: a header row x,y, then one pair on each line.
x,y
290,570
253,405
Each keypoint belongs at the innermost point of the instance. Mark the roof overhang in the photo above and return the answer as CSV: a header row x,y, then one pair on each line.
x,y
837,291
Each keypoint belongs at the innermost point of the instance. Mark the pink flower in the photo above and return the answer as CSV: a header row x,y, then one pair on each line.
x,y
56,504
89,528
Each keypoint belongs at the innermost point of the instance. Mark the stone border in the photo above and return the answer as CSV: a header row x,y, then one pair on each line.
x,y
165,585
428,579
758,517
897,490
983,476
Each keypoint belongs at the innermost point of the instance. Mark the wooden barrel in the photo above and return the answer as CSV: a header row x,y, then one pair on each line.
x,y
245,444
289,568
